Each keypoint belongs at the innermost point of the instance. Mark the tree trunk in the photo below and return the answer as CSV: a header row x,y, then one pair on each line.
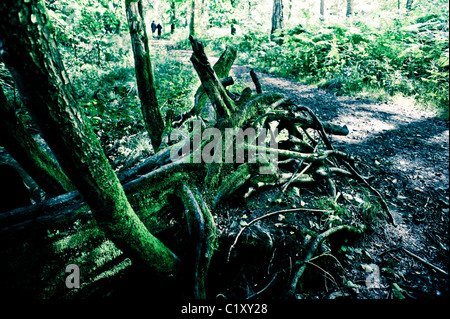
x,y
322,8
219,98
31,55
173,16
349,8
277,20
222,69
144,72
21,145
192,22
409,4
289,10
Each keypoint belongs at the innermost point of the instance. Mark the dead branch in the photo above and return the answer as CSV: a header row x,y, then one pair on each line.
x,y
439,270
48,212
66,208
306,122
203,235
256,81
312,250
217,94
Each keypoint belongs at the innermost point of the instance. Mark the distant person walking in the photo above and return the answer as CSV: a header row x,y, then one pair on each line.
x,y
153,27
159,27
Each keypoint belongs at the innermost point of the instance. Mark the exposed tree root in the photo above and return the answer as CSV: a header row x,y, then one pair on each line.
x,y
312,250
203,235
284,211
305,156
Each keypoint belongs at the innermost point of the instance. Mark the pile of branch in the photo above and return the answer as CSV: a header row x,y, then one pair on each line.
x,y
306,157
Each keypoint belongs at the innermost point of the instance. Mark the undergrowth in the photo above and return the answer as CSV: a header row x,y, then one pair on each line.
x,y
399,58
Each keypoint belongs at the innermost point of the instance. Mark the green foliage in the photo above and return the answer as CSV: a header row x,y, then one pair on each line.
x,y
109,100
395,56
93,38
175,81
379,54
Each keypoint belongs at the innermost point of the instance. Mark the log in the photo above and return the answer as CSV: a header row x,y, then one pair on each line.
x,y
66,208
225,62
222,69
44,214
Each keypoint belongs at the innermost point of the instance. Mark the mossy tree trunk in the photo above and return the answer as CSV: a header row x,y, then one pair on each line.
x,y
25,150
31,55
144,72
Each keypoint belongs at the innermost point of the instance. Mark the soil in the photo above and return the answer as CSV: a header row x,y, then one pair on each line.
x,y
405,151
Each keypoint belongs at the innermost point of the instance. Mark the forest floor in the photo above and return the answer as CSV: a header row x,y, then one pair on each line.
x,y
403,149
406,153
407,150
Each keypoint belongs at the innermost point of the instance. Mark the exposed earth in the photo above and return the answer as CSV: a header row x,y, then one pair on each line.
x,y
406,152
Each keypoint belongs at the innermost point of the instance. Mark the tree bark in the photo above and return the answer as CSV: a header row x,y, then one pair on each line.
x,y
349,8
222,69
31,55
173,16
322,8
277,20
192,21
409,4
144,72
219,98
25,150
203,233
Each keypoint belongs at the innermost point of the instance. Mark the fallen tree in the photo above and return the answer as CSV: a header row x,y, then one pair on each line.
x,y
196,174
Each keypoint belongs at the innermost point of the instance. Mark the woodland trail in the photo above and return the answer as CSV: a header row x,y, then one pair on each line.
x,y
406,153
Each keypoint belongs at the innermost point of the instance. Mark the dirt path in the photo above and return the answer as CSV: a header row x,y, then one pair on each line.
x,y
407,153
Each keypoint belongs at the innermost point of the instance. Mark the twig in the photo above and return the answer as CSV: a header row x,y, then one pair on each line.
x,y
323,270
286,185
425,262
262,290
284,211
358,176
